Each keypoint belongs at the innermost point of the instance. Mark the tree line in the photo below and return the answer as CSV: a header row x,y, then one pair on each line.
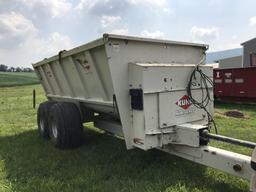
x,y
5,68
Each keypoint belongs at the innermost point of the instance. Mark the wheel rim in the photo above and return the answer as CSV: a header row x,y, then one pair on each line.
x,y
54,130
42,127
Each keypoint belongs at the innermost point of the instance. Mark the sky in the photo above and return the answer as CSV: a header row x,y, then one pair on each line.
x,y
31,30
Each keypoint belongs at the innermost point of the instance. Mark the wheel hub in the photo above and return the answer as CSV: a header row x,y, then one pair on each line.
x,y
54,130
42,128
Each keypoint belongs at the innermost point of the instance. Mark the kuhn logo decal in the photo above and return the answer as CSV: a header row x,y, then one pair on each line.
x,y
184,102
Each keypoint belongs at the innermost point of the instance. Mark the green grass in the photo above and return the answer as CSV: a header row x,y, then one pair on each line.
x,y
102,163
8,79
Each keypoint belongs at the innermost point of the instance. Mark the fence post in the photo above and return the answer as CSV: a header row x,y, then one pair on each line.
x,y
34,98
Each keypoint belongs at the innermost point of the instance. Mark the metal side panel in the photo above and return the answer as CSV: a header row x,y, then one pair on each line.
x,y
41,76
55,89
169,80
83,77
62,77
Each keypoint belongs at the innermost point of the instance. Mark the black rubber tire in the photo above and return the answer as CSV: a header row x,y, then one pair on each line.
x,y
42,118
66,128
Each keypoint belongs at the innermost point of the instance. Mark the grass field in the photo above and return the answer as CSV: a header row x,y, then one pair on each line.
x,y
18,78
30,163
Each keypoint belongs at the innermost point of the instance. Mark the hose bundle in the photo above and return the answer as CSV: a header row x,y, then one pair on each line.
x,y
205,81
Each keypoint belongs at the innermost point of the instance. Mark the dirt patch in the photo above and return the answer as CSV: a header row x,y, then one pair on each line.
x,y
235,114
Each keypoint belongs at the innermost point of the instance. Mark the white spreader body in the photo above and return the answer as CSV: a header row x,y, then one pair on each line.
x,y
137,88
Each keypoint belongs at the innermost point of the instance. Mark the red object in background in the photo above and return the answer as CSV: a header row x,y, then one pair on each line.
x,y
237,84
